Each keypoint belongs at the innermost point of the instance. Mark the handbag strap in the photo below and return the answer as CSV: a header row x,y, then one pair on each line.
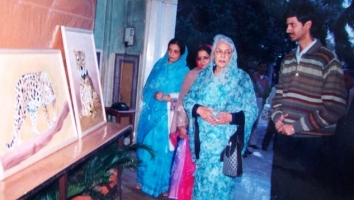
x,y
235,139
196,138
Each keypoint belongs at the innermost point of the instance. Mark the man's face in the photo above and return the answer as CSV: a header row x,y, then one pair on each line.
x,y
295,29
349,80
262,69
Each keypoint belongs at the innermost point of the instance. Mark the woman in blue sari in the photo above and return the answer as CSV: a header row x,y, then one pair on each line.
x,y
222,100
164,80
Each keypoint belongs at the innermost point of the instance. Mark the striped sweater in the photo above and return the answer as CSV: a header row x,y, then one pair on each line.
x,y
312,92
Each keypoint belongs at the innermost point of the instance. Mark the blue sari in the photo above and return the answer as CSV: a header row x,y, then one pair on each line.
x,y
230,91
154,174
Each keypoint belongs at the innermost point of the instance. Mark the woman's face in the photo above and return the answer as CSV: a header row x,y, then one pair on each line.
x,y
174,53
222,54
203,59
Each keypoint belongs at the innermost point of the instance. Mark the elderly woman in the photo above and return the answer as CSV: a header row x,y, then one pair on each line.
x,y
164,80
220,100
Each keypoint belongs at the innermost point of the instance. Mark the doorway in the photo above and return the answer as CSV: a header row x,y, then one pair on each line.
x,y
125,79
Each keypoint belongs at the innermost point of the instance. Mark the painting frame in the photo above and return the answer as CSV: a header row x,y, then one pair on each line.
x,y
37,99
84,77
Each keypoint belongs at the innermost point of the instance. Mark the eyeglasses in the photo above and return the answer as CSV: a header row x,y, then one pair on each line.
x,y
219,52
203,58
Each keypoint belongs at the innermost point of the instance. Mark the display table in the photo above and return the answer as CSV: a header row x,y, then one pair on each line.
x,y
55,166
118,114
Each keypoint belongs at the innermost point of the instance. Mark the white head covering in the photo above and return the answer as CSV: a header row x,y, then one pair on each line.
x,y
222,38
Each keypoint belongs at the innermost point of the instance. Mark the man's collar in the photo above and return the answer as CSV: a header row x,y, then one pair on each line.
x,y
306,48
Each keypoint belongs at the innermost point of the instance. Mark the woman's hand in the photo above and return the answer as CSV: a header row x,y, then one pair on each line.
x,y
182,132
160,96
206,114
224,118
167,98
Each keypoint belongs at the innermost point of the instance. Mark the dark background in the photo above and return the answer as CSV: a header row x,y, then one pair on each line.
x,y
258,28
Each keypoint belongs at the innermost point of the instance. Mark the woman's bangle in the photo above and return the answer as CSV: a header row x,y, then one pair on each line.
x,y
162,98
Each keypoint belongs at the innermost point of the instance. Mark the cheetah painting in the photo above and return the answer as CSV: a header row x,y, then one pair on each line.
x,y
90,100
84,77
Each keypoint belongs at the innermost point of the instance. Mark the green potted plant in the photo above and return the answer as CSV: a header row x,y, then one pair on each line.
x,y
95,178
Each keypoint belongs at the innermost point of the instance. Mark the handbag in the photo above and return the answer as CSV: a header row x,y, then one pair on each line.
x,y
231,155
265,114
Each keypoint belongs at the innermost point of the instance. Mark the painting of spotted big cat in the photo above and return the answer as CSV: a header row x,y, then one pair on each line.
x,y
33,91
37,117
84,76
91,105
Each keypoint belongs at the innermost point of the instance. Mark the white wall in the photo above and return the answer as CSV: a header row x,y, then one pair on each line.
x,y
160,23
159,30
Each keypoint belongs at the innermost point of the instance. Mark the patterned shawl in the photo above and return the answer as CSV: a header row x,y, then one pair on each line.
x,y
230,91
166,78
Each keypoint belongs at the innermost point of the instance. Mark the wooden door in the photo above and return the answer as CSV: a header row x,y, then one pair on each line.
x,y
125,79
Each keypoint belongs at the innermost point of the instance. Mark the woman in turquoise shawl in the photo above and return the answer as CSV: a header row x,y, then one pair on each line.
x,y
165,78
223,102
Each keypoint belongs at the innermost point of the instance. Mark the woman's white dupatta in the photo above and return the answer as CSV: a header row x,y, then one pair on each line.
x,y
170,112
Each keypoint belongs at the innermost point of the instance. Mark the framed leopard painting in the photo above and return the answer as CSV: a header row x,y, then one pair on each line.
x,y
37,118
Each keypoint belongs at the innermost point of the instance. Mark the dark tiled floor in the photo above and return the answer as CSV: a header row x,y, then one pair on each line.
x,y
129,191
254,183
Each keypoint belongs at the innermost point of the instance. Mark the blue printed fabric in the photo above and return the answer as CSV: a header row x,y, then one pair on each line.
x,y
230,91
154,174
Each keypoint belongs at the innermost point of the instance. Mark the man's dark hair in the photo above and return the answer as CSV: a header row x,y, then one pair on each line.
x,y
303,11
306,11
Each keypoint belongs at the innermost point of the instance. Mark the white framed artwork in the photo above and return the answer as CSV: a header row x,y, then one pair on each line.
x,y
37,118
84,77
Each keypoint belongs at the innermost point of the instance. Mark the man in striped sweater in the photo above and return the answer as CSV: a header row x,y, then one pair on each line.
x,y
310,98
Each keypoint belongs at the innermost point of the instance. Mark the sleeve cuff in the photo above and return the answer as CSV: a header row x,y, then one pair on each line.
x,y
297,127
276,116
194,110
238,118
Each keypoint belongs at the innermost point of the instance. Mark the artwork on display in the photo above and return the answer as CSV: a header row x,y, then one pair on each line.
x,y
37,119
85,85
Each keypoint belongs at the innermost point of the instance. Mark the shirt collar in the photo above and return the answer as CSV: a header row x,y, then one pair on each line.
x,y
299,54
